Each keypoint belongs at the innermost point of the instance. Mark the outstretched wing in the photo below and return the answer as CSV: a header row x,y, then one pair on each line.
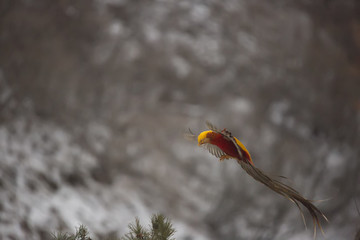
x,y
211,127
214,150
190,136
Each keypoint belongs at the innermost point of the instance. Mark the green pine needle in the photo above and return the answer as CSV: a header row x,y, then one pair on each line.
x,y
159,229
162,228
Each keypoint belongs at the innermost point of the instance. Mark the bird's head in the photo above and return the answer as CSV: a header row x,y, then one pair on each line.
x,y
205,137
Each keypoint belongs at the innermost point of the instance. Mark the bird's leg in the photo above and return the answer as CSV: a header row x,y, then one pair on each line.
x,y
222,158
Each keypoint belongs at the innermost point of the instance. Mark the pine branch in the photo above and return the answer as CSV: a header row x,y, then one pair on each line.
x,y
162,228
136,232
80,234
159,229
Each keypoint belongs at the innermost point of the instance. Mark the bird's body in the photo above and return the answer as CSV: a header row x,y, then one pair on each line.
x,y
224,146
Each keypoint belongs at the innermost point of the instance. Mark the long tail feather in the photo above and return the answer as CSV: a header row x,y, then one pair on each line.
x,y
286,191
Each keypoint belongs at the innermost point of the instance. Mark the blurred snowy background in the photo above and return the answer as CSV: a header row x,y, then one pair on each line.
x,y
95,96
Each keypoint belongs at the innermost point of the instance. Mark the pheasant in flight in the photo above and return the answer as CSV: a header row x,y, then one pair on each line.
x,y
225,146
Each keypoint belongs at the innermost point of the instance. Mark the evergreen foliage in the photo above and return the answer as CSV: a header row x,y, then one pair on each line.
x,y
81,234
160,229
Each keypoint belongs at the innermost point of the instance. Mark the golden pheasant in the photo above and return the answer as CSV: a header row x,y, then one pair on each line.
x,y
224,146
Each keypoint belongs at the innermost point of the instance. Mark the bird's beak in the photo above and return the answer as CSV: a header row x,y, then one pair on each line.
x,y
202,141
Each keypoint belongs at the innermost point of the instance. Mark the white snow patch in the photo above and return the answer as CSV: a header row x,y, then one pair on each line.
x,y
300,236
334,159
80,206
152,34
207,49
98,136
132,149
277,111
186,232
181,66
243,226
199,13
116,28
248,42
242,105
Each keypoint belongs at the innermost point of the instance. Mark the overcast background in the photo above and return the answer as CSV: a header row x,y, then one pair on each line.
x,y
95,96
